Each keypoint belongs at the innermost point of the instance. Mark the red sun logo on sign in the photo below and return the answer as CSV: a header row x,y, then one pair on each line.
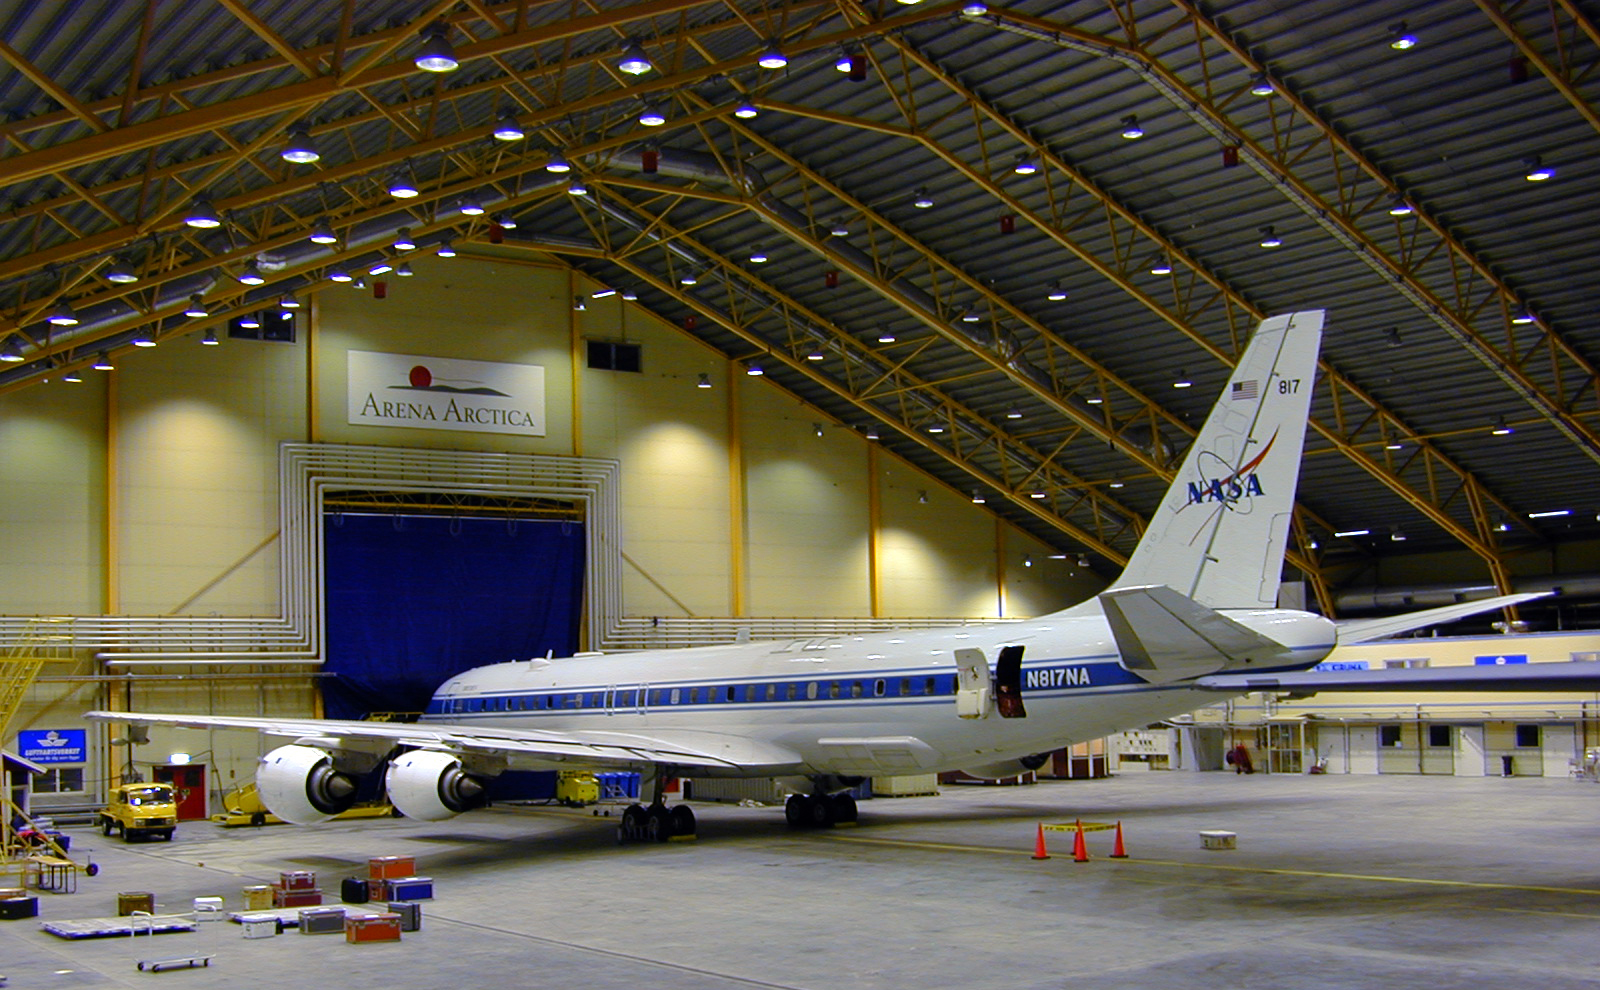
x,y
421,377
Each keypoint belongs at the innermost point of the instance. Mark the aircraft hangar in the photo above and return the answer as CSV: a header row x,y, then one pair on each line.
x,y
344,347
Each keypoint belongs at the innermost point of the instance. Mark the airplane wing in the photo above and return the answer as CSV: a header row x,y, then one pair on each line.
x,y
1364,630
1564,675
523,748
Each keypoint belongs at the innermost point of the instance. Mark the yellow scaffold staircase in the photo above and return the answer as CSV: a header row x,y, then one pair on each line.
x,y
42,641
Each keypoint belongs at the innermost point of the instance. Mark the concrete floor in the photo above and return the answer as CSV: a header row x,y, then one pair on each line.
x,y
1358,882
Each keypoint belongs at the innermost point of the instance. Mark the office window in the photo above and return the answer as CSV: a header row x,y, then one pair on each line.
x,y
1439,735
608,355
61,780
1389,735
1528,736
1402,664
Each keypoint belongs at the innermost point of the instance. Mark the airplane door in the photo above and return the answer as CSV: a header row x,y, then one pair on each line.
x,y
1008,683
973,699
611,699
641,700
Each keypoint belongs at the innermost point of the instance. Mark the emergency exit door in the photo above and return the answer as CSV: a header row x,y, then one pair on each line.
x,y
188,782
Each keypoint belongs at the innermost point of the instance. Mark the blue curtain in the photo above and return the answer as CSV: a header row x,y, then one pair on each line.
x,y
412,600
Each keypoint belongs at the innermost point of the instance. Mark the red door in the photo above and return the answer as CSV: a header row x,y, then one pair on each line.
x,y
188,785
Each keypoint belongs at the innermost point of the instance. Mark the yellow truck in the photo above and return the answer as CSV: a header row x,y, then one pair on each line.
x,y
140,809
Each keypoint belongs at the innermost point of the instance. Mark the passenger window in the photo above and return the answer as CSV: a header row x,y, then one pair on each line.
x,y
833,689
928,685
694,695
772,691
855,689
675,695
811,691
789,692
732,693
577,701
878,688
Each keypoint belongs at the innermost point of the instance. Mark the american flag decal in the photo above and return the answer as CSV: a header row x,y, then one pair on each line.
x,y
1246,390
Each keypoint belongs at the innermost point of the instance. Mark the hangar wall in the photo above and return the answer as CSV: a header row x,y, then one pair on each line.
x,y
152,490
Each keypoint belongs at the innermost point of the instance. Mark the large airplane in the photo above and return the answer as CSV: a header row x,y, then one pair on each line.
x,y
1192,619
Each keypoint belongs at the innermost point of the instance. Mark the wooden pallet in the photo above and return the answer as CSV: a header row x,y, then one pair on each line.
x,y
161,924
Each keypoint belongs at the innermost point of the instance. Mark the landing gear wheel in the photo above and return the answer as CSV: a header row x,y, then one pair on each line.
x,y
682,820
797,810
657,824
821,811
844,808
633,820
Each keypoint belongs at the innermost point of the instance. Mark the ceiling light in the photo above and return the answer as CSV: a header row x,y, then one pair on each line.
x,y
704,382
936,428
1261,85
1094,400
469,206
1159,265
403,240
72,376
757,256
746,111
11,351
1114,483
1038,494
1397,535
202,214
1524,316
1013,413
602,293
629,295
323,233
359,283
210,339
558,164
447,248
252,274
1270,239
507,128
920,198
871,433
977,497
753,370
1027,560
845,62
651,116
971,316
1500,428
815,354
285,314
1025,165
634,61
299,148
773,57
1550,514
121,272
838,229
1353,532
142,338
1056,293
817,429
1181,380
103,363
197,307
338,275
402,187
436,53
1401,37
1130,127
688,278
249,321
62,315
404,271
504,221
1394,445
577,188
974,9
886,337
381,268
579,304
1535,170
1400,208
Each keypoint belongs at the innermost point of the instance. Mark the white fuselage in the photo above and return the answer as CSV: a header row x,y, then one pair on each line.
x,y
853,705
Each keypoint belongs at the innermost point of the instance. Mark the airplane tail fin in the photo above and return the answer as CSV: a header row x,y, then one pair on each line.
x,y
1220,533
1163,636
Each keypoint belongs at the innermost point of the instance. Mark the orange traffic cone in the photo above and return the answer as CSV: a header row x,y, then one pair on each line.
x,y
1117,851
1039,851
1080,849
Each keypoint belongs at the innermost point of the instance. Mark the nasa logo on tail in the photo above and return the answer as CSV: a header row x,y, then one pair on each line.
x,y
1241,484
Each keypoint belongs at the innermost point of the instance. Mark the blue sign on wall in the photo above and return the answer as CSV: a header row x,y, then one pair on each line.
x,y
54,745
1328,665
1500,658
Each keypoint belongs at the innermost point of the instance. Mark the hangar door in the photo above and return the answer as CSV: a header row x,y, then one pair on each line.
x,y
420,587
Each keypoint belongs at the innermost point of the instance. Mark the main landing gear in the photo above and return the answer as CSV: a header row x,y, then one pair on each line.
x,y
819,810
657,823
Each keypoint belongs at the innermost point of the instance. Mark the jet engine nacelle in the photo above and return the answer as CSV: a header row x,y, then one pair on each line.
x,y
300,785
1008,768
431,786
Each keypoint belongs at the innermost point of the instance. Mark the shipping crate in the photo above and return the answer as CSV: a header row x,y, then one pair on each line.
x,y
6,892
129,901
282,898
18,908
409,889
377,890
257,897
391,867
1218,839
321,921
208,909
297,880
353,890
410,913
372,928
259,925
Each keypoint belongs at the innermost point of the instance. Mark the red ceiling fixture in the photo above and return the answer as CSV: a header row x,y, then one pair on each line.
x,y
1008,223
830,279
1230,156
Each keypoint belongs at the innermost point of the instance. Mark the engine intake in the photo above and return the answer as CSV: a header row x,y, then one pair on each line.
x,y
430,785
300,785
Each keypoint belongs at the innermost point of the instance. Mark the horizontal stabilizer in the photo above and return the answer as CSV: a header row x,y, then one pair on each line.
x,y
1164,636
1563,675
1364,630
